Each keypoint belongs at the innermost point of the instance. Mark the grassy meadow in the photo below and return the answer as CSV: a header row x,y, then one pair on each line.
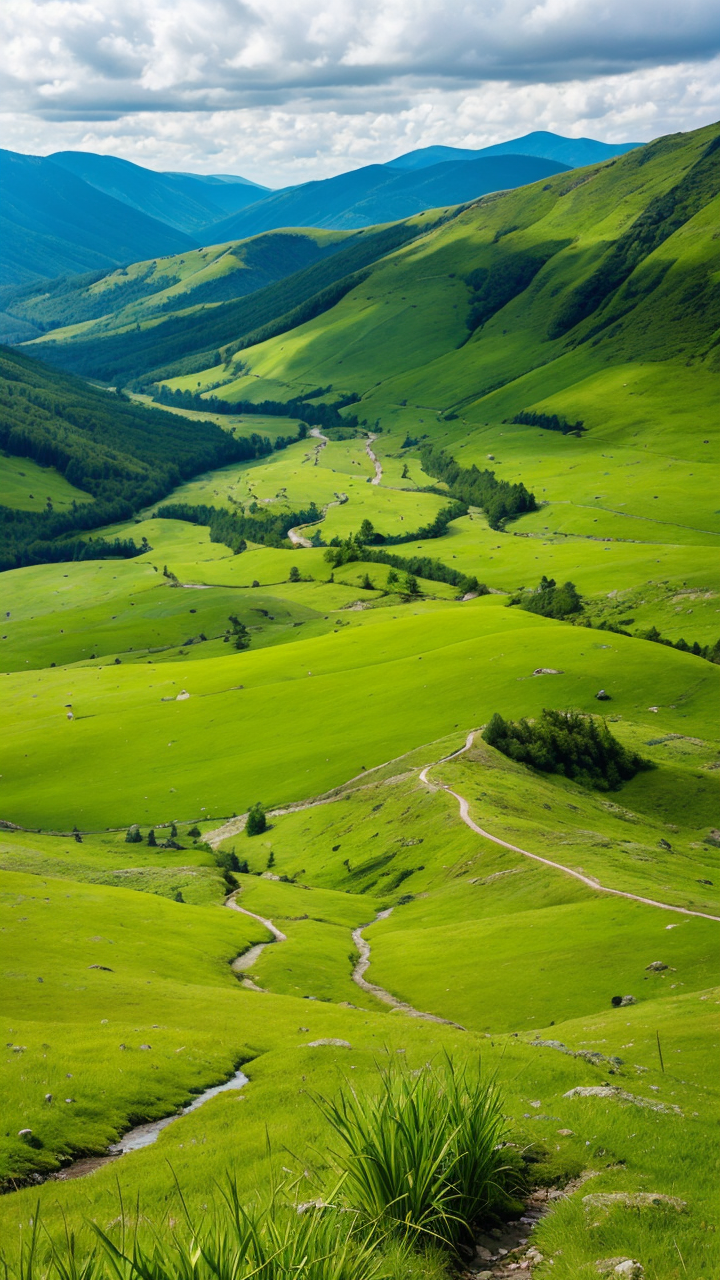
x,y
125,701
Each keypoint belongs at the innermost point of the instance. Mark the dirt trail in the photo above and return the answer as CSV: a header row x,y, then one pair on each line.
x,y
298,539
590,881
246,961
377,479
363,965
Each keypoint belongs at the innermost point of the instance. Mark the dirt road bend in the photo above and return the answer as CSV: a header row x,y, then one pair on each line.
x,y
590,881
361,967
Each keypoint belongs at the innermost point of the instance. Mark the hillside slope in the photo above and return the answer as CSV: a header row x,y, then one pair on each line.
x,y
530,293
198,277
53,223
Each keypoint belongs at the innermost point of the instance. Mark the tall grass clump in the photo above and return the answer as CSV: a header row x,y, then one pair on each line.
x,y
423,1156
275,1242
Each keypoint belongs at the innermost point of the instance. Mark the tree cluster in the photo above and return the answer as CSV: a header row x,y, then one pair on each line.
x,y
548,422
564,742
354,549
550,600
499,499
233,527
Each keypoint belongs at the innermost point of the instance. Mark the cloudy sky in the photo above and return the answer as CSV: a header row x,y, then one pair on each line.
x,y
285,90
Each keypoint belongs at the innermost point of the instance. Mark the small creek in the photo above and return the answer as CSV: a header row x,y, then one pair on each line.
x,y
143,1135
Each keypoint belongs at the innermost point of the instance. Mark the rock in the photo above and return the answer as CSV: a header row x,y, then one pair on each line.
x,y
104,967
25,1134
621,1267
614,1091
566,1133
546,671
627,1000
182,696
146,1046
608,1200
338,1044
602,696
657,966
48,1097
484,1275
484,1254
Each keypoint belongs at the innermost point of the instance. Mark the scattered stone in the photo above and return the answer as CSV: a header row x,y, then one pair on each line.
x,y
614,1091
656,967
627,1267
602,696
48,1097
146,1046
25,1134
182,696
608,1200
566,1133
627,1000
546,671
338,1044
104,967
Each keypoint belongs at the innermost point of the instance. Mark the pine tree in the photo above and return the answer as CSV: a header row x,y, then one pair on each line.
x,y
151,839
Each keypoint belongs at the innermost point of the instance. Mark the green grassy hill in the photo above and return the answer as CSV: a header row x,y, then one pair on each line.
x,y
561,338
97,305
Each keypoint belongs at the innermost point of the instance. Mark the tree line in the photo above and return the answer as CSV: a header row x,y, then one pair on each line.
x,y
499,499
353,549
235,528
549,422
315,415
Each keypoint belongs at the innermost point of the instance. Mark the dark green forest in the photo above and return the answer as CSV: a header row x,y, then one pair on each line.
x,y
122,455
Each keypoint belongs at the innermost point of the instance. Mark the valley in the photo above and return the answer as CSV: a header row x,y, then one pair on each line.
x,y
286,525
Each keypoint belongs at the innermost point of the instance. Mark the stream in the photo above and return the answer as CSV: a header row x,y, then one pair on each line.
x,y
143,1135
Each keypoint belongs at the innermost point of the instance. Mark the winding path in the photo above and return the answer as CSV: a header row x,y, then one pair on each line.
x,y
362,966
377,478
590,881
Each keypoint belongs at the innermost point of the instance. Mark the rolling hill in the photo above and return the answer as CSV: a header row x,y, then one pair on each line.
x,y
53,223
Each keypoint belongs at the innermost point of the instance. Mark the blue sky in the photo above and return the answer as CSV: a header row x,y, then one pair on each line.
x,y
284,90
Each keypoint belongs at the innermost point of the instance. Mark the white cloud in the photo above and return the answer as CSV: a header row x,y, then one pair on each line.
x,y
282,90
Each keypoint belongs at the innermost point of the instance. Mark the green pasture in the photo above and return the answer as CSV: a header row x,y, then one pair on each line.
x,y
272,724
25,486
109,860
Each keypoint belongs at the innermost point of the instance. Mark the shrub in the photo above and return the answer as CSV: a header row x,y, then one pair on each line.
x,y
133,835
256,820
550,600
568,743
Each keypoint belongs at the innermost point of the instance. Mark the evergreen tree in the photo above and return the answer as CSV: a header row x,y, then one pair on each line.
x,y
294,574
151,839
367,584
133,835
